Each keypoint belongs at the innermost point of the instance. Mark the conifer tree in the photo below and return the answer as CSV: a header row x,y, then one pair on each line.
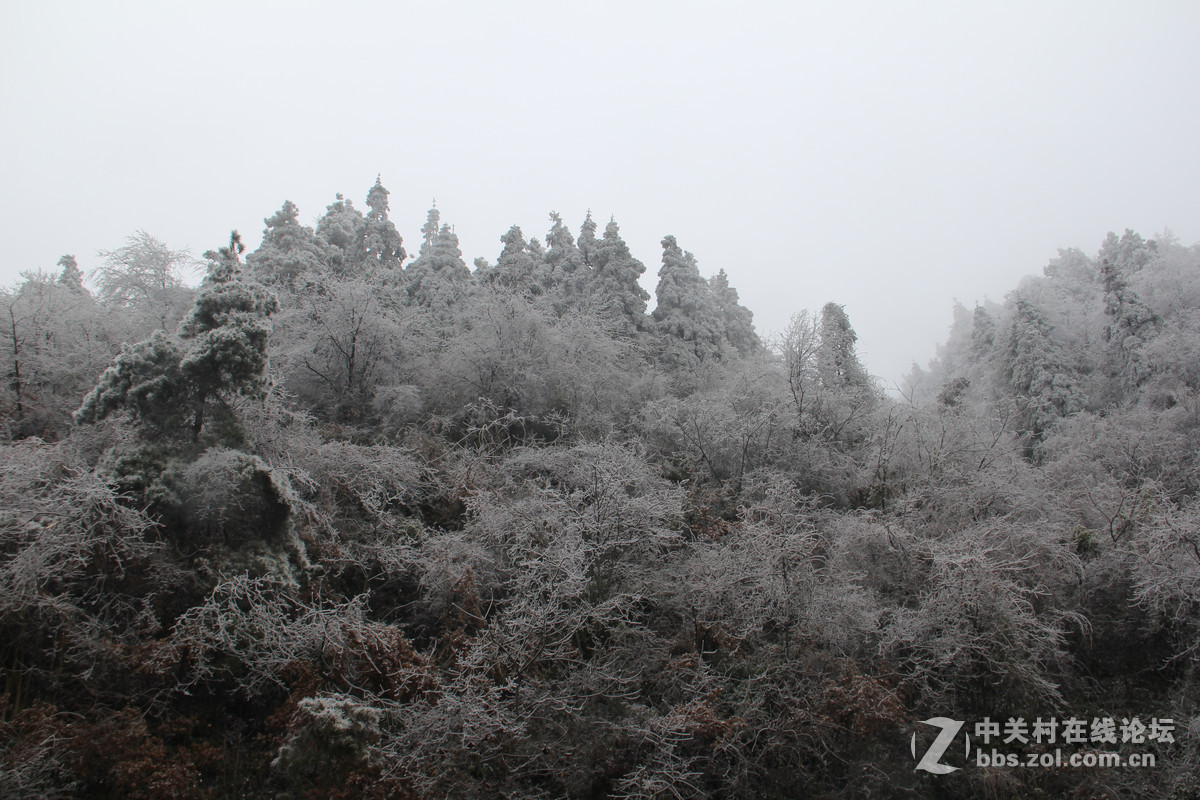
x,y
288,249
1038,371
687,313
220,350
614,286
837,361
517,265
438,276
70,275
380,244
738,320
339,231
1130,322
562,271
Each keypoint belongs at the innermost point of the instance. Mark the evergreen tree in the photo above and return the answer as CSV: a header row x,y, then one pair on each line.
x,y
738,320
562,272
70,275
380,243
340,231
1039,372
438,276
614,286
288,249
517,265
220,350
983,333
687,313
837,361
1130,322
587,242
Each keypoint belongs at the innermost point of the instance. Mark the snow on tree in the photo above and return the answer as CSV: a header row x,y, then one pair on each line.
x,y
220,350
146,276
438,276
837,361
687,313
517,265
739,320
613,288
562,273
70,275
339,230
1039,371
1130,321
288,249
381,244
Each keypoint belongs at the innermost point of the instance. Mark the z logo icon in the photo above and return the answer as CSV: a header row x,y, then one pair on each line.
x,y
931,761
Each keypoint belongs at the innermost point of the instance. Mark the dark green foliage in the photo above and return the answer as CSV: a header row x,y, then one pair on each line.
x,y
220,351
228,496
146,380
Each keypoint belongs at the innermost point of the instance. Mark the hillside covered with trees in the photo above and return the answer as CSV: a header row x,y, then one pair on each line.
x,y
353,518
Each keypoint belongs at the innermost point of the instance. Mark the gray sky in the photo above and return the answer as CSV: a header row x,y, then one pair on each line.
x,y
888,156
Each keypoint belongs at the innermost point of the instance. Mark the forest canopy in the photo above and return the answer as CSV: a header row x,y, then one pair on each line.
x,y
353,518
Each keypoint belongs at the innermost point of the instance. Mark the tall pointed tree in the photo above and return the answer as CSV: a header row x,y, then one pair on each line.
x,y
1039,372
438,276
562,265
70,275
687,313
614,286
738,320
517,265
837,359
380,243
1130,322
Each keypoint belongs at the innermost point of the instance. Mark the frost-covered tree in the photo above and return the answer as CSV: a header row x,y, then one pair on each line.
x,y
1039,371
70,275
381,244
220,351
837,359
1130,322
738,320
339,341
517,265
54,339
145,276
563,272
687,314
339,230
613,289
438,276
288,249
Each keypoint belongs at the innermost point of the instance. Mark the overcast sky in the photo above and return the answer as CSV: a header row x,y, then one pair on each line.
x,y
888,156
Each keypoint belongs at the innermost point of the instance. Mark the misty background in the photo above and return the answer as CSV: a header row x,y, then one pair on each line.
x,y
891,159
